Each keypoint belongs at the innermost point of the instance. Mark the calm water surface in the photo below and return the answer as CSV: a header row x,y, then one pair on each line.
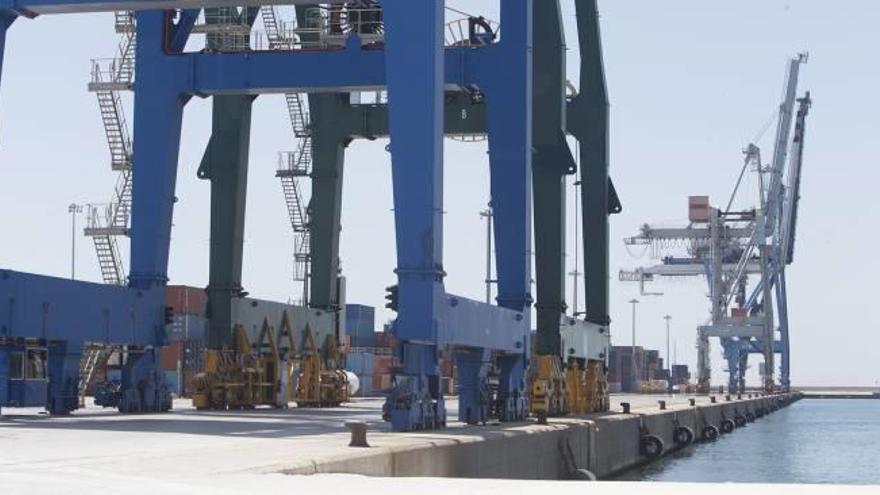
x,y
811,441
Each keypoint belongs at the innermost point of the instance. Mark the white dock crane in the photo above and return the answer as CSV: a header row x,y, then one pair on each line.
x,y
730,246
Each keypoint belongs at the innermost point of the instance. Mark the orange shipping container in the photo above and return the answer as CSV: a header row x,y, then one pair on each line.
x,y
186,300
698,208
170,355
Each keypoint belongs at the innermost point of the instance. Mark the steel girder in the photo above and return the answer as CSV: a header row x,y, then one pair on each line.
x,y
588,122
551,162
225,164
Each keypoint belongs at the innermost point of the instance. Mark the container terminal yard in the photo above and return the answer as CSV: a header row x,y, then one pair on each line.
x,y
519,385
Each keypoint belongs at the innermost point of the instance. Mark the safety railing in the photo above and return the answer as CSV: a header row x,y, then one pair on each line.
x,y
471,31
290,162
112,71
106,219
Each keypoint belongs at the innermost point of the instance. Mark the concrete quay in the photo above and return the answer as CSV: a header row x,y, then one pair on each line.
x,y
186,444
604,444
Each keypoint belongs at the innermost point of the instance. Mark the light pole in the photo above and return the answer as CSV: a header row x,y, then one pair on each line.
x,y
487,214
575,273
668,362
73,209
635,367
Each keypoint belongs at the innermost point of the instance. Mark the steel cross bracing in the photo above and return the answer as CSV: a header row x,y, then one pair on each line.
x,y
730,246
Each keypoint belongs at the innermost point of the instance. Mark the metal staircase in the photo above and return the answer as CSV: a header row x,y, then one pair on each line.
x,y
107,222
92,358
272,27
293,166
299,117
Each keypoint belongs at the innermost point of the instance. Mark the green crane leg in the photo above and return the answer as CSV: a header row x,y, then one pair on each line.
x,y
225,164
589,124
325,206
551,162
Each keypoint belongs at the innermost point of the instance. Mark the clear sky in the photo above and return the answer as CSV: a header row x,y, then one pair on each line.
x,y
691,82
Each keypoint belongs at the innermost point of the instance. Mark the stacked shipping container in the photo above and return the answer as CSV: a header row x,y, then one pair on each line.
x,y
180,360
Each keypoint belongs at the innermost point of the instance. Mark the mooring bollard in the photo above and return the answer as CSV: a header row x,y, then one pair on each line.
x,y
625,406
727,398
712,399
693,401
739,396
662,404
358,433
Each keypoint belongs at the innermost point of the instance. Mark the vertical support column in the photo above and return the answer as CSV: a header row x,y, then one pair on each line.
x,y
325,206
782,302
767,341
158,116
158,109
473,393
590,127
415,78
552,161
508,87
225,164
732,356
63,372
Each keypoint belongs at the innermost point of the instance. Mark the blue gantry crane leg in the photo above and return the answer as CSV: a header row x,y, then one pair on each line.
x,y
428,317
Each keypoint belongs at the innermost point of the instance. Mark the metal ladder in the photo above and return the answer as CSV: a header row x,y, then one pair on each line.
x,y
89,362
115,129
270,24
299,117
290,175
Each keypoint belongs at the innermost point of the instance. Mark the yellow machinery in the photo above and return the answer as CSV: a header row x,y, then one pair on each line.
x,y
548,393
578,388
579,384
247,376
321,382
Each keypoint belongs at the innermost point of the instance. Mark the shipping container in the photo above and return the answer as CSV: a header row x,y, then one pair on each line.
x,y
360,363
360,324
172,380
698,209
187,327
366,388
171,356
381,382
186,300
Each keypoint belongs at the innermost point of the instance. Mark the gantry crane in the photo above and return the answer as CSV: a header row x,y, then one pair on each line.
x,y
407,56
729,246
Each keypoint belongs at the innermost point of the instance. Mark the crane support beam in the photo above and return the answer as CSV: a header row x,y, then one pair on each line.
x,y
588,122
649,233
325,207
225,164
31,8
551,162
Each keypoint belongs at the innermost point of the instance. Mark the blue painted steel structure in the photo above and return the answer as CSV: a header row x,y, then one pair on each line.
x,y
416,69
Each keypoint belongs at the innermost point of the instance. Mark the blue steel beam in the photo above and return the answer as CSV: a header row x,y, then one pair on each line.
x,y
31,8
507,84
158,107
350,69
54,308
414,37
